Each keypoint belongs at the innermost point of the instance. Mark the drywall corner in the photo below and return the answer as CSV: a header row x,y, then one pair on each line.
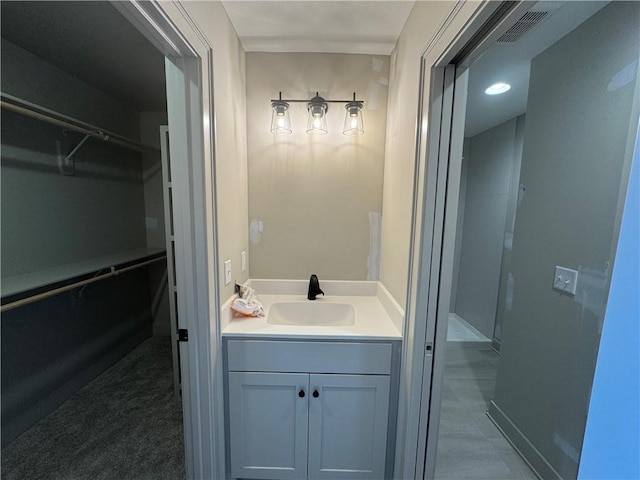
x,y
400,146
229,91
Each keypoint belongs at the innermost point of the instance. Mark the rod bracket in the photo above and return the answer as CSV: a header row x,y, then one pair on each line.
x,y
76,148
66,164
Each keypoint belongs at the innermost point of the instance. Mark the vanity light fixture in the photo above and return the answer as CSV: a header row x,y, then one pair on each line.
x,y
353,123
317,108
498,88
317,122
280,121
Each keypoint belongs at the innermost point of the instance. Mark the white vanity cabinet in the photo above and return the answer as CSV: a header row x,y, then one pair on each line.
x,y
307,409
348,421
268,425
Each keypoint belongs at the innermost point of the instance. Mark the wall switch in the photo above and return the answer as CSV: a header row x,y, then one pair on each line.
x,y
243,256
227,272
565,280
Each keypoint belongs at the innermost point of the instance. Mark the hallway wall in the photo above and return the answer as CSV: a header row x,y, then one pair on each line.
x,y
582,93
493,158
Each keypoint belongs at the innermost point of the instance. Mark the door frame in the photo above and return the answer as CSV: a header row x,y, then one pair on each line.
x,y
467,32
191,114
445,116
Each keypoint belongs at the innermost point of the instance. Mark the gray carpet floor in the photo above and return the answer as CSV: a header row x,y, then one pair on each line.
x,y
469,444
125,424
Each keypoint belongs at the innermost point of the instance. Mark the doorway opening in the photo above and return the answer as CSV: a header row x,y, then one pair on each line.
x,y
91,376
538,177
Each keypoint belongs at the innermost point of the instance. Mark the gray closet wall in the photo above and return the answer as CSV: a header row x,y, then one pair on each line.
x,y
53,347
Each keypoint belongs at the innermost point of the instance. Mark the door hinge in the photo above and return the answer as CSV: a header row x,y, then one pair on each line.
x,y
183,335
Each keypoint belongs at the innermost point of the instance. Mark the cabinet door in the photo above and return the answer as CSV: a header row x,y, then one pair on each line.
x,y
348,426
268,420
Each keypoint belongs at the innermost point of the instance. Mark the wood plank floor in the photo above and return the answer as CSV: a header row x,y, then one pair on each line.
x,y
469,444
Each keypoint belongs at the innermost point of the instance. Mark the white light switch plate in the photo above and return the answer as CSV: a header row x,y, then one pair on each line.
x,y
243,256
227,272
565,280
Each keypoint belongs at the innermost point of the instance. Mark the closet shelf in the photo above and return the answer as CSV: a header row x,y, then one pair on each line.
x,y
31,110
50,276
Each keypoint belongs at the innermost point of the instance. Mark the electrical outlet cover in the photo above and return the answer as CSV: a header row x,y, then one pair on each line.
x,y
227,272
565,280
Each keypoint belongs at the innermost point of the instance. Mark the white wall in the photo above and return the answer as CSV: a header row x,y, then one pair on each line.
x,y
229,89
404,85
314,193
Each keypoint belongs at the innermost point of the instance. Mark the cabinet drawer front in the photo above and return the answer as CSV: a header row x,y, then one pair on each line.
x,y
309,357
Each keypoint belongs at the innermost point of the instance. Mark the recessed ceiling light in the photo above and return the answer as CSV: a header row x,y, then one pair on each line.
x,y
498,88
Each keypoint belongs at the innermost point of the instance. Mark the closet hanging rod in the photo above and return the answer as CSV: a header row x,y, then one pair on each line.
x,y
43,114
50,293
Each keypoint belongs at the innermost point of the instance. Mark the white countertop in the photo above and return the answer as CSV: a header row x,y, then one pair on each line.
x,y
372,322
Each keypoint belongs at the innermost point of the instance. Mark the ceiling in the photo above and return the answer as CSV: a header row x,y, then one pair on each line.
x,y
510,63
366,27
92,41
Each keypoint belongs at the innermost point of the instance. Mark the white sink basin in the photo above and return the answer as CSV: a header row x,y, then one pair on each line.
x,y
311,313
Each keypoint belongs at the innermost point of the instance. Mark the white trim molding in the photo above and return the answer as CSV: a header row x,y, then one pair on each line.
x,y
189,68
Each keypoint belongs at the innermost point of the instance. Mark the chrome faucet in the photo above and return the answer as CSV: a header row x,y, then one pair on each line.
x,y
314,288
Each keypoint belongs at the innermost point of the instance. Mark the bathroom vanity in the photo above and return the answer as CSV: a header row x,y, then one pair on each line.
x,y
312,400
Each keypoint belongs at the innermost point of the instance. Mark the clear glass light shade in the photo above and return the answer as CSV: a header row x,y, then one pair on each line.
x,y
317,123
280,121
353,123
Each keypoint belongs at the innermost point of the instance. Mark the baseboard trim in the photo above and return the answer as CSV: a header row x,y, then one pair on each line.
x,y
470,344
521,444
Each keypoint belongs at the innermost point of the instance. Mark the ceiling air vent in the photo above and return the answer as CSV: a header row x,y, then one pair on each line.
x,y
523,26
